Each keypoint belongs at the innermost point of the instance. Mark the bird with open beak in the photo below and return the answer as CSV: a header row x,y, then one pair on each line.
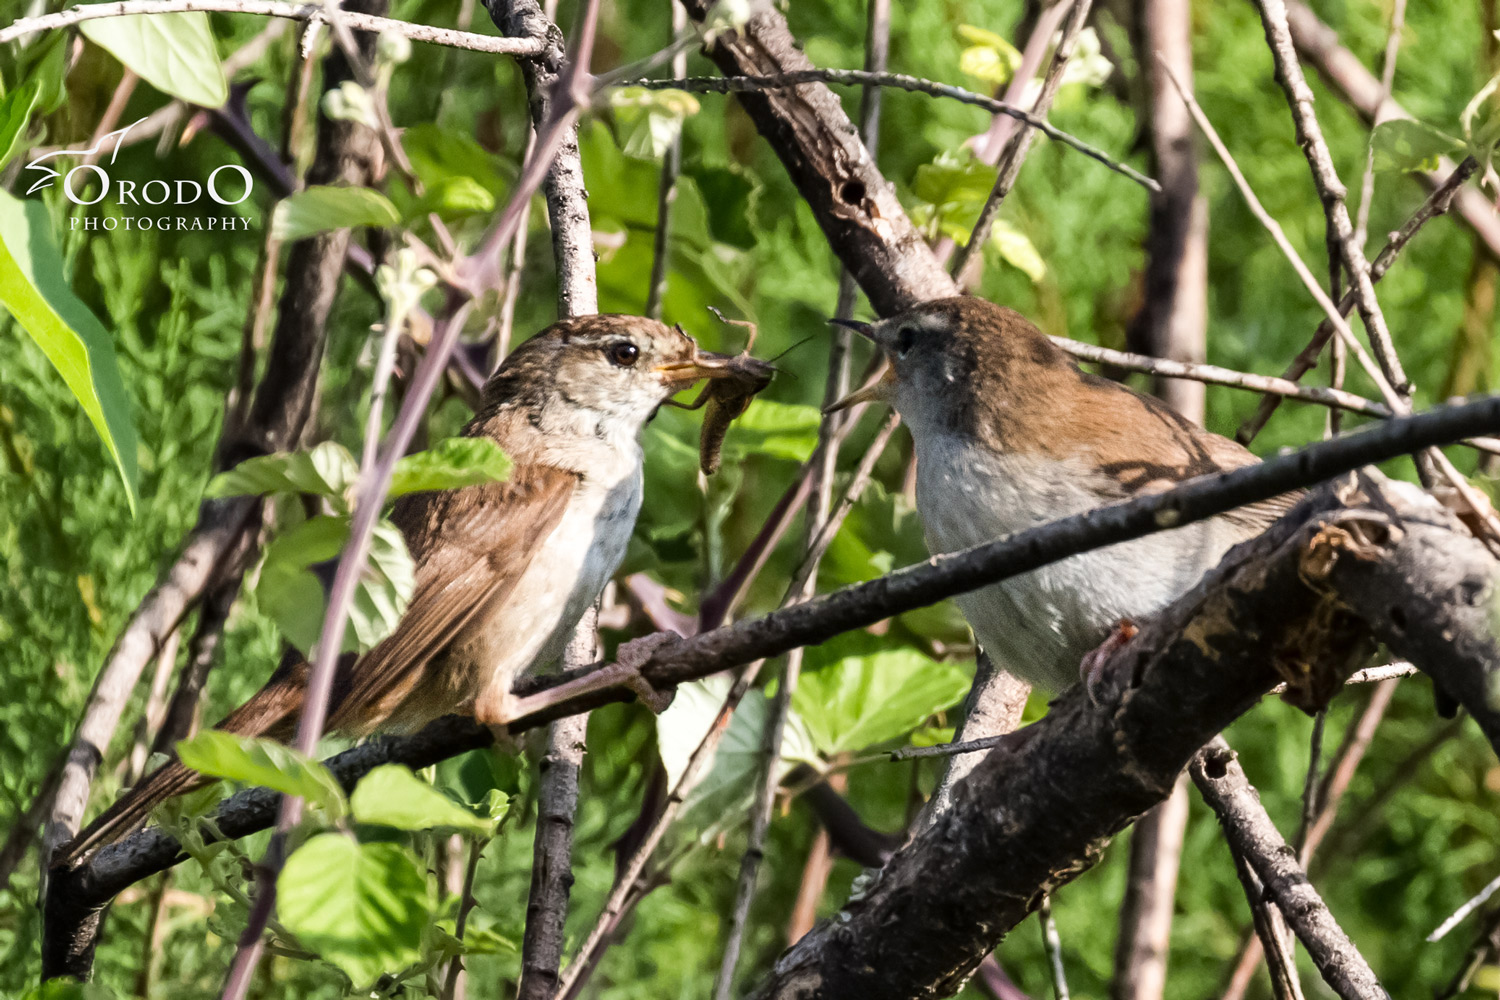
x,y
504,571
1010,434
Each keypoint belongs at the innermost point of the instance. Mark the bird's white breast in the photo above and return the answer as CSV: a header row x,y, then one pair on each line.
x,y
1040,624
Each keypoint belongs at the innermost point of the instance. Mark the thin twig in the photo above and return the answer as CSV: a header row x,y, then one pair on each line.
x,y
1052,945
1387,80
1015,150
1331,190
900,81
1438,203
666,189
273,8
1397,398
1214,375
1462,913
375,482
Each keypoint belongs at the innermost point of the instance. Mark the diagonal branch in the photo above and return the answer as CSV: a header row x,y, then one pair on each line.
x,y
1033,818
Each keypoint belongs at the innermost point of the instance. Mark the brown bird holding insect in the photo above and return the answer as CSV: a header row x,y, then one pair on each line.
x,y
504,571
1009,434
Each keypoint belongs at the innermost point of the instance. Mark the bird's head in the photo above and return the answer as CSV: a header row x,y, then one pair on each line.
x,y
614,368
950,358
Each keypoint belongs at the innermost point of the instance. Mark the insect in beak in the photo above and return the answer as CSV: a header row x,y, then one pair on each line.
x,y
702,365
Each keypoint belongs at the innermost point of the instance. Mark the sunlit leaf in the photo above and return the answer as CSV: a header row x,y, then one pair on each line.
x,y
362,907
858,691
451,463
292,594
391,795
175,53
34,290
15,114
328,470
266,764
1016,249
322,208
456,196
776,430
988,57
650,120
724,788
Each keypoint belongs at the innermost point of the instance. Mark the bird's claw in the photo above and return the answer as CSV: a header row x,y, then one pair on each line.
x,y
1091,668
634,655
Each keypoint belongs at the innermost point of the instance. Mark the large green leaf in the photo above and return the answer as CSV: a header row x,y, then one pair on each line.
x,y
776,430
264,763
724,790
321,208
292,594
15,112
174,53
327,471
362,907
391,795
34,291
451,463
858,691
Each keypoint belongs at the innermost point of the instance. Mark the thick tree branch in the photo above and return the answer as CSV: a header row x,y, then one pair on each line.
x,y
1033,818
85,890
817,143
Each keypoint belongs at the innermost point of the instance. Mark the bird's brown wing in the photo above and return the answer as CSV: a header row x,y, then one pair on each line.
x,y
1164,449
471,545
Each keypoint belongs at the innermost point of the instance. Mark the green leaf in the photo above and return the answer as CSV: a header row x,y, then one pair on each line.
x,y
858,691
650,120
33,290
723,791
15,113
452,463
322,208
327,471
777,430
1405,146
391,795
456,196
362,907
989,57
1017,250
293,596
175,53
266,764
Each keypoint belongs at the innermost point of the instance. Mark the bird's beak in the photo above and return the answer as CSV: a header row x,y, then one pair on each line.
x,y
866,330
877,390
702,365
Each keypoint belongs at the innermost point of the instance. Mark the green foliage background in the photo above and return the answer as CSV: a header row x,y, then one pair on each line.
x,y
1418,835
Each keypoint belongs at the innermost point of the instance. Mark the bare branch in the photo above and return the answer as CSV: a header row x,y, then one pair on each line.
x,y
1253,836
1014,156
900,81
310,12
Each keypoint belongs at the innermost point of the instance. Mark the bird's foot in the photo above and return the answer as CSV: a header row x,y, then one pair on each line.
x,y
1091,668
634,655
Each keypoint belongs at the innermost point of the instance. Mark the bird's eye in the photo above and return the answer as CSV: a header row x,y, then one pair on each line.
x,y
905,338
622,353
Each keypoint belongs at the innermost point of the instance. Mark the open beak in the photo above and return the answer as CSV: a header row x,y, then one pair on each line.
x,y
877,390
702,365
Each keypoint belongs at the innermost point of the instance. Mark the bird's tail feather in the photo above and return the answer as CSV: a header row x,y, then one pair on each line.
x,y
271,713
